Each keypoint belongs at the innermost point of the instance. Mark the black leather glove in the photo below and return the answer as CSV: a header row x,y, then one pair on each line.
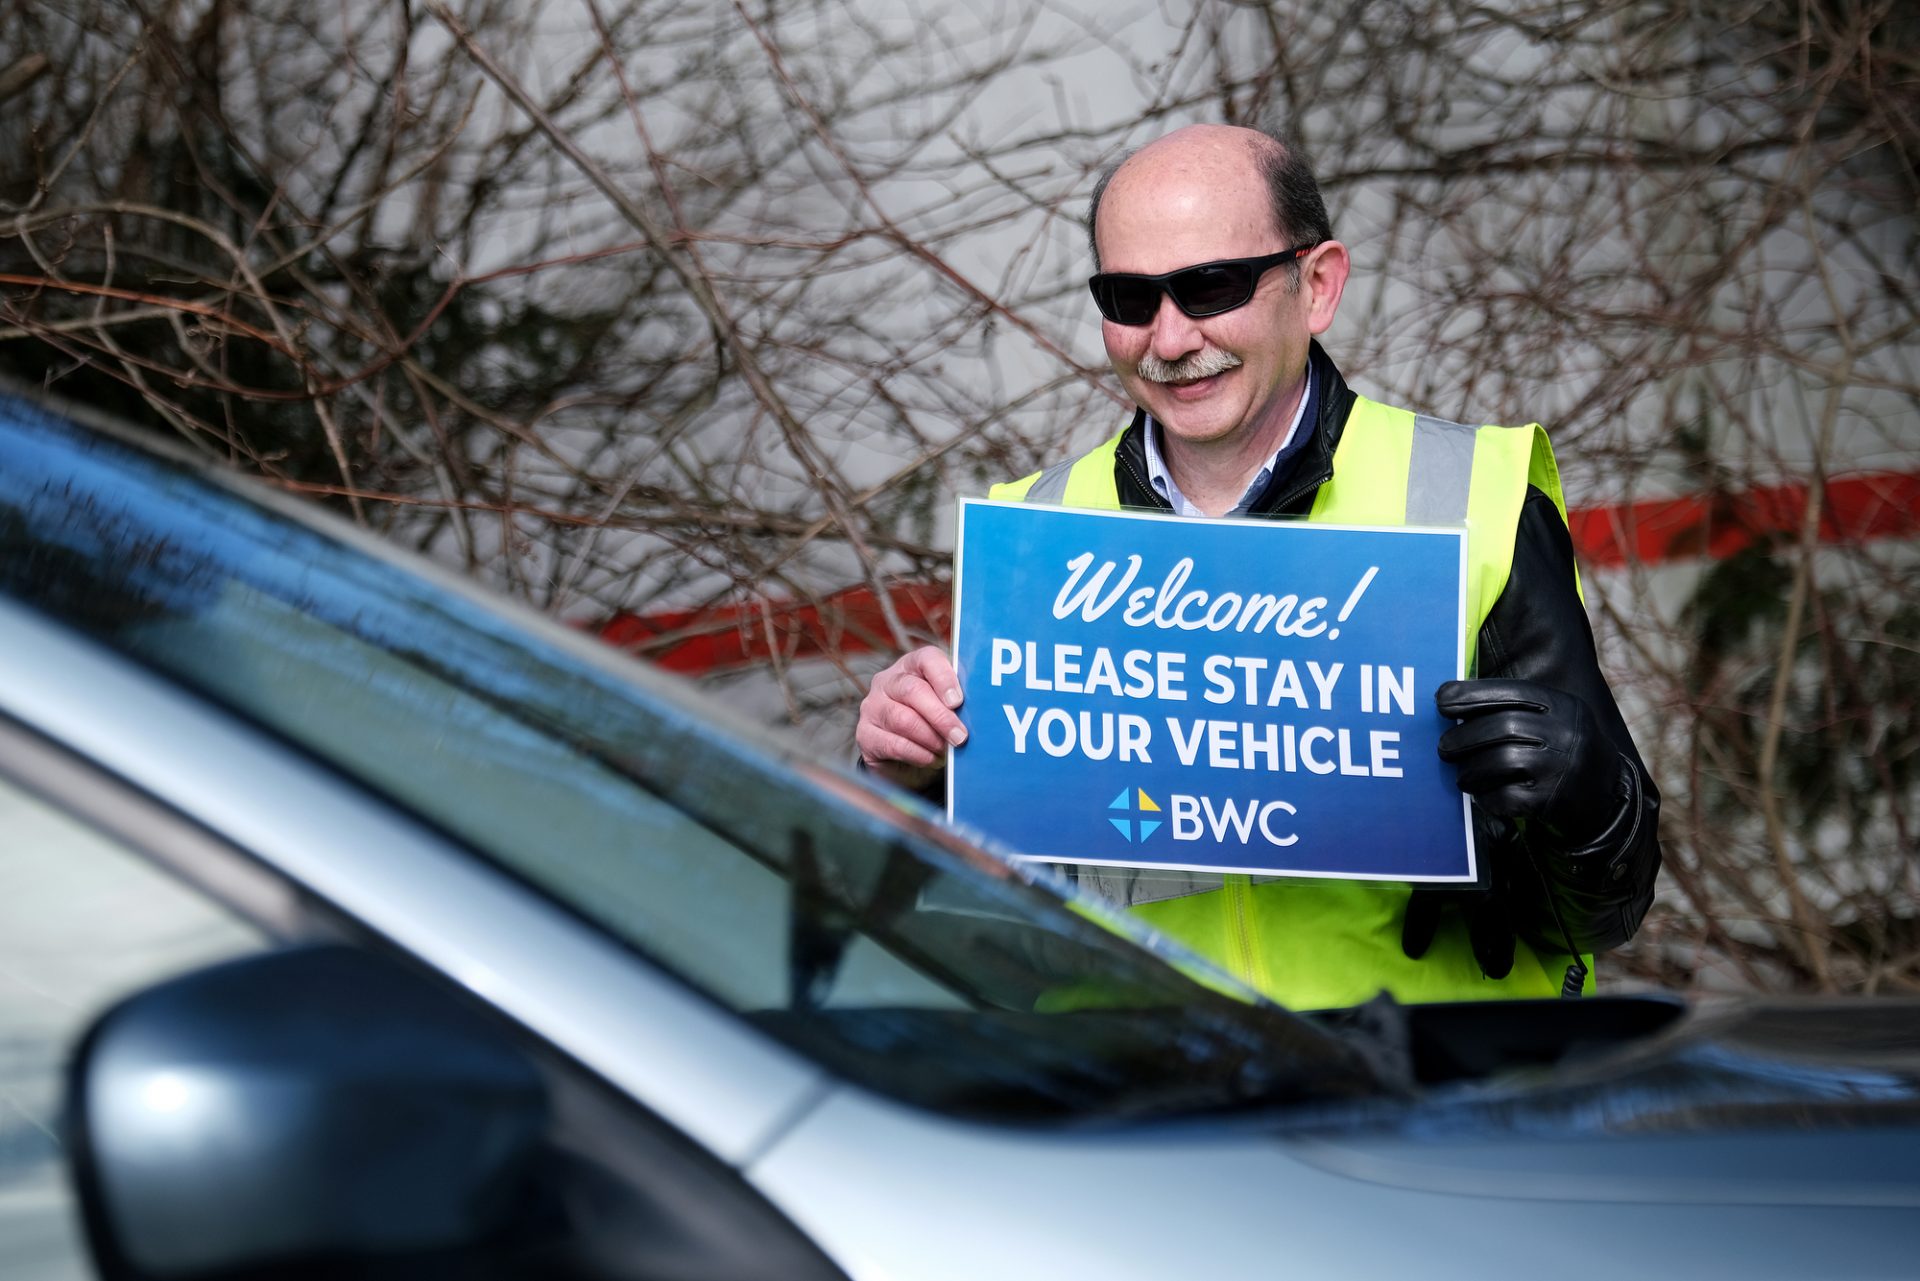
x,y
1490,928
1527,751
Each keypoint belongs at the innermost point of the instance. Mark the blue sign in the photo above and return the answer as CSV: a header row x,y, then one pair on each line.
x,y
1221,695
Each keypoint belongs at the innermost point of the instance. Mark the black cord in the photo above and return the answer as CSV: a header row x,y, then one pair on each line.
x,y
1573,983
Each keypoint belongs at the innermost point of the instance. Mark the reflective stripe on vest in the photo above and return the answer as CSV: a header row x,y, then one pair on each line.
x,y
1086,481
1051,485
1440,473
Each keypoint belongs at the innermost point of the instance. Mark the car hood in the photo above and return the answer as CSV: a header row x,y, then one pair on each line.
x,y
1757,1141
1749,1102
1722,1064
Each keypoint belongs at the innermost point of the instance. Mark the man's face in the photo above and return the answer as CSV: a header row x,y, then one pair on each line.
x,y
1164,212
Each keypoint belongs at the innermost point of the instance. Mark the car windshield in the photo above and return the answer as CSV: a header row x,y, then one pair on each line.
x,y
849,927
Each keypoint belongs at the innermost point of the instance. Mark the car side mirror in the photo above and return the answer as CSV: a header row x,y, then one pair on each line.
x,y
315,1112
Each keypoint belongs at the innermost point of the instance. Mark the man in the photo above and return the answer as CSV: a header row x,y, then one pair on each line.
x,y
1217,270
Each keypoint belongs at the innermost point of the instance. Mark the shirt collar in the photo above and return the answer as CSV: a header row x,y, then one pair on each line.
x,y
1162,479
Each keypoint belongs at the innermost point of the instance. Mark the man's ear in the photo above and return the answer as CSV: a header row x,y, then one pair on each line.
x,y
1323,274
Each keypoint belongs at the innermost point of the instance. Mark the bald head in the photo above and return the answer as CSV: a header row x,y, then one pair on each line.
x,y
1219,158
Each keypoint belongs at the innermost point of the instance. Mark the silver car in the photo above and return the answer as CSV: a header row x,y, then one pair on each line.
x,y
353,924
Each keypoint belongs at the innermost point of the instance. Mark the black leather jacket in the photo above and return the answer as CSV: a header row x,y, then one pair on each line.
x,y
1537,631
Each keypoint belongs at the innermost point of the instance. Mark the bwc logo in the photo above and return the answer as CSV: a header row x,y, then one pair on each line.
x,y
1125,801
1195,818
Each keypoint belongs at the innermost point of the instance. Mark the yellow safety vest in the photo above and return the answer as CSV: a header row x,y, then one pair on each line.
x,y
1316,944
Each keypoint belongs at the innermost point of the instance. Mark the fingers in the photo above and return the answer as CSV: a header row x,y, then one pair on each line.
x,y
1527,750
911,707
1500,763
1464,699
932,665
1516,729
1421,921
907,715
1508,773
1490,933
881,747
1506,784
895,729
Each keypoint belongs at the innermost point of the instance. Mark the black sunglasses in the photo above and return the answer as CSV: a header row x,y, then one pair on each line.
x,y
1206,289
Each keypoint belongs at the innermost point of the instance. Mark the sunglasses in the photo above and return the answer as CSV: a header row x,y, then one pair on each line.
x,y
1206,289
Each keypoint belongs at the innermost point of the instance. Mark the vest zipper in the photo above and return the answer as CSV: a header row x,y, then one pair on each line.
x,y
1246,965
1301,488
1153,495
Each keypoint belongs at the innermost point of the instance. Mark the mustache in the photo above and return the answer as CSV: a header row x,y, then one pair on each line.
x,y
1202,364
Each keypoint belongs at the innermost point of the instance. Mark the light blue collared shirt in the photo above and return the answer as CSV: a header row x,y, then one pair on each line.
x,y
1163,479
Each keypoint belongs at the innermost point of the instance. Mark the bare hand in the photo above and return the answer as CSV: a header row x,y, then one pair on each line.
x,y
907,719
